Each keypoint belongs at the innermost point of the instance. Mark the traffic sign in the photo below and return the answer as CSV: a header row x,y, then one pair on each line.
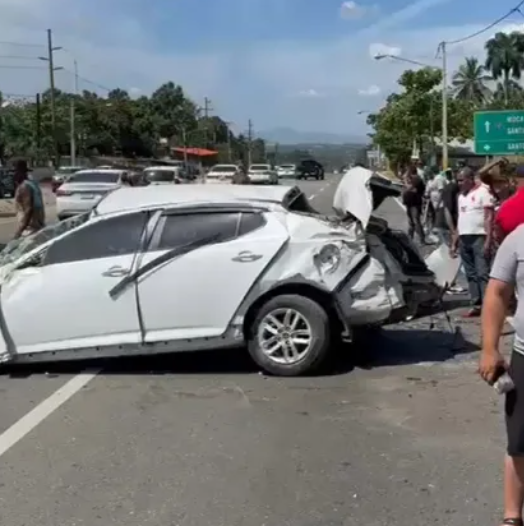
x,y
499,132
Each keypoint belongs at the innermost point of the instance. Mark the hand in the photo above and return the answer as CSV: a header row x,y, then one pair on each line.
x,y
491,362
453,252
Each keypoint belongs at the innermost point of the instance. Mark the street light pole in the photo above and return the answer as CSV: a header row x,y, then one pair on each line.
x,y
443,69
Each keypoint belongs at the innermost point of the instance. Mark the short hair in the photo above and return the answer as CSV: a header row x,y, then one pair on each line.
x,y
467,172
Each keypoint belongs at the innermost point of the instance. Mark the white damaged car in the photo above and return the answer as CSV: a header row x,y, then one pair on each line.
x,y
193,267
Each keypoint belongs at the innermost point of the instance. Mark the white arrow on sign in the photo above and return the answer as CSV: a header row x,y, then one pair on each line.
x,y
487,124
487,147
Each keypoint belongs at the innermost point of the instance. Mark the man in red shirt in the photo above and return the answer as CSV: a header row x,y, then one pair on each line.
x,y
511,212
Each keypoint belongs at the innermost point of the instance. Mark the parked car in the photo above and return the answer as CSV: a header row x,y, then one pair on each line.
x,y
162,175
262,174
7,183
286,170
310,168
222,173
83,189
62,174
220,266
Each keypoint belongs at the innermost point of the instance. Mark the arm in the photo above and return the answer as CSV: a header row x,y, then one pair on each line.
x,y
498,292
486,168
488,202
25,202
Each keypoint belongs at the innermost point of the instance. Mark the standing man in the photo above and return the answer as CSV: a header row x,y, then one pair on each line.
x,y
474,236
413,197
434,189
28,200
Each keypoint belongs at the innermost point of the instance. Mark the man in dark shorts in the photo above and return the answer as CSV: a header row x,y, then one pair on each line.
x,y
507,273
28,200
413,197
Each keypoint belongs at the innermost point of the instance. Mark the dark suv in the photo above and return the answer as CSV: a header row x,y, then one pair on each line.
x,y
310,168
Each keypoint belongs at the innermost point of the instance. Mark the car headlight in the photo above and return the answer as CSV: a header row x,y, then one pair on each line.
x,y
328,259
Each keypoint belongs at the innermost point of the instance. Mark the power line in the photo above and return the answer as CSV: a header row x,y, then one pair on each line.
x,y
91,82
18,57
2,66
20,44
512,11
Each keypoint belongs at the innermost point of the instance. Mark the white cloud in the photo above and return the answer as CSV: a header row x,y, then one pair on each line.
x,y
309,93
370,91
350,10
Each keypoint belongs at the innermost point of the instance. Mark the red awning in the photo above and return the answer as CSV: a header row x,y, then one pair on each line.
x,y
197,152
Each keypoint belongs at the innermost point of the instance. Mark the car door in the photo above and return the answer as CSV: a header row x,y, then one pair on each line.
x,y
62,301
199,269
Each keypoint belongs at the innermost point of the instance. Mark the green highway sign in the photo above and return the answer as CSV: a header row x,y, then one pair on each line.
x,y
499,132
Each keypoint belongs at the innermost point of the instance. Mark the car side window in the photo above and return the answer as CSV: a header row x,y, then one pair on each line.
x,y
251,221
116,236
180,230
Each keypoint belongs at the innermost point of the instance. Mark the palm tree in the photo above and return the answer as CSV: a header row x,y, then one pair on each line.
x,y
469,82
505,58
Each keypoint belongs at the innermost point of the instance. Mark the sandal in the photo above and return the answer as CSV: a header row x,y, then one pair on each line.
x,y
512,522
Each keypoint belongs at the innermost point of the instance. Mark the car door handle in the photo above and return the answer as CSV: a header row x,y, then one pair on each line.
x,y
115,272
246,257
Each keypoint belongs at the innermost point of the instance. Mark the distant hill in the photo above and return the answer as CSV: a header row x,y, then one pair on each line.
x,y
291,136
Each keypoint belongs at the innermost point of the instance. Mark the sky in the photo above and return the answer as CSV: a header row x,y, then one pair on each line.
x,y
301,64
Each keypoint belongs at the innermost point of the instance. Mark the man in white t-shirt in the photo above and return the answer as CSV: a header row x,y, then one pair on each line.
x,y
476,207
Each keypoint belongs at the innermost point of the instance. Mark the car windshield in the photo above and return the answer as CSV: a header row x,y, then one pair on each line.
x,y
67,170
23,245
160,176
287,166
224,168
260,167
95,177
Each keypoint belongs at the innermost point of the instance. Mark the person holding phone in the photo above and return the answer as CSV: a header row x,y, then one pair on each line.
x,y
507,274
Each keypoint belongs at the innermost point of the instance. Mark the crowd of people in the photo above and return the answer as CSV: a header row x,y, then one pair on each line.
x,y
480,217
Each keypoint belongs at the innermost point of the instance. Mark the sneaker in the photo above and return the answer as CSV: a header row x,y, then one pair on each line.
x,y
475,312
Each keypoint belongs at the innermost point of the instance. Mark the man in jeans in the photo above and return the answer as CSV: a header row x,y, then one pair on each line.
x,y
474,238
412,198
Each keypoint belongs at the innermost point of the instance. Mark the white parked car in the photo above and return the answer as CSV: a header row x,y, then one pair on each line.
x,y
286,170
83,189
222,173
162,269
262,174
162,175
64,172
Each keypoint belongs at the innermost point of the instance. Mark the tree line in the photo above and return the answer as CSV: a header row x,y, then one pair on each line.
x,y
412,117
117,125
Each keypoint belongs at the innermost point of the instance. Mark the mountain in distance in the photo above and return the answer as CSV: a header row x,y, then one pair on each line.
x,y
291,136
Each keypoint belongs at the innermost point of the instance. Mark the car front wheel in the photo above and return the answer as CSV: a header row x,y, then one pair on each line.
x,y
290,336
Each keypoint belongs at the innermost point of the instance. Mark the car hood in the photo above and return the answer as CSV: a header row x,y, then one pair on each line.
x,y
360,192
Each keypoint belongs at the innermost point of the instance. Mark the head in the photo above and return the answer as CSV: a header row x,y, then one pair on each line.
x,y
21,171
466,179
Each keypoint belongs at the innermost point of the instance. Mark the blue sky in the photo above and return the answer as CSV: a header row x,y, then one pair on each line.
x,y
304,64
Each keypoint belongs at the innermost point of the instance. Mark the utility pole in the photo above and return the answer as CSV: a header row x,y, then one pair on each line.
x,y
50,61
38,131
444,106
73,117
249,142
207,110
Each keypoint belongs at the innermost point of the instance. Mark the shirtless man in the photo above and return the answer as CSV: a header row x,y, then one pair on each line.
x,y
29,202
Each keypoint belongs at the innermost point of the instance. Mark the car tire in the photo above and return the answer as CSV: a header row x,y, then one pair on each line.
x,y
316,323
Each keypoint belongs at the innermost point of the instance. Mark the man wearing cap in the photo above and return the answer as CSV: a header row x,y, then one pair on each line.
x,y
29,201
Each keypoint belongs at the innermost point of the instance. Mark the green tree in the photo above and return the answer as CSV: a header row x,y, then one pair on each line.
x,y
505,59
470,82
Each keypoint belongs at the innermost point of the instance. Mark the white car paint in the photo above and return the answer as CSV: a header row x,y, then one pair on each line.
x,y
156,300
84,189
222,173
164,175
262,173
286,171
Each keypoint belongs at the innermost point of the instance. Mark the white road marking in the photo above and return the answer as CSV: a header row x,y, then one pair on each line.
x,y
38,414
312,196
400,203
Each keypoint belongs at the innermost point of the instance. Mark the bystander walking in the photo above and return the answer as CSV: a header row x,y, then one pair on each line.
x,y
474,235
413,197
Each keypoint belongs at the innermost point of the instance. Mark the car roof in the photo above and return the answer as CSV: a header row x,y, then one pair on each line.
x,y
103,170
162,167
127,199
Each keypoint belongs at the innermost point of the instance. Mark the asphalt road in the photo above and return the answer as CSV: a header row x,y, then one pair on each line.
x,y
410,436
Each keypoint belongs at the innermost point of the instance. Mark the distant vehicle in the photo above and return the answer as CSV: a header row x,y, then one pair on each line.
x,y
310,168
84,189
7,183
286,170
262,174
162,175
62,174
222,173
